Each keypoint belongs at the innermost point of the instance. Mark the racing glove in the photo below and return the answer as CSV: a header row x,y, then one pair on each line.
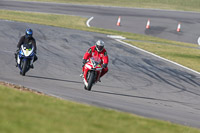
x,y
84,61
17,51
105,65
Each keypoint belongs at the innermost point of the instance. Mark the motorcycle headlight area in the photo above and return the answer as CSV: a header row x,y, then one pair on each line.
x,y
88,66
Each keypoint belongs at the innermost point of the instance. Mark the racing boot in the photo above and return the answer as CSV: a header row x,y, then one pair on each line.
x,y
31,66
16,53
81,75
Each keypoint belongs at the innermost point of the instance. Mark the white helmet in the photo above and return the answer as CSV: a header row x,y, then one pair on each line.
x,y
99,45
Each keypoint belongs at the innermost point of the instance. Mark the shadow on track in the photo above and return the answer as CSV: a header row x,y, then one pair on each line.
x,y
62,80
132,96
47,78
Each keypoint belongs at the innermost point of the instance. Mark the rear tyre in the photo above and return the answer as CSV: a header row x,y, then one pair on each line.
x,y
90,80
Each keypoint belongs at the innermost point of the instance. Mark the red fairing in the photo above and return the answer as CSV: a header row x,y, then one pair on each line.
x,y
93,52
92,72
86,69
95,66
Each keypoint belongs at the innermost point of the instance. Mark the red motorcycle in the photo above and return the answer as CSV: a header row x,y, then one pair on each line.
x,y
92,72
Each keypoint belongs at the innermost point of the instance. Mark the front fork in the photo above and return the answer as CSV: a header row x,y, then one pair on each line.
x,y
31,61
98,77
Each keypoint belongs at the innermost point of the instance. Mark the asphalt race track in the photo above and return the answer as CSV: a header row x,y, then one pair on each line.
x,y
163,23
137,82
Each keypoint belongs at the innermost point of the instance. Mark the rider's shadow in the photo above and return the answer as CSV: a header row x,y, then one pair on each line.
x,y
55,79
62,80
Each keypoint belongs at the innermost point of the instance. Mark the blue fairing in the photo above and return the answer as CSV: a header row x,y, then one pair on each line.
x,y
21,54
32,54
23,58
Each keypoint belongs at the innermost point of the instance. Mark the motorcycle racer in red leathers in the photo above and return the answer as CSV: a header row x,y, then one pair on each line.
x,y
97,50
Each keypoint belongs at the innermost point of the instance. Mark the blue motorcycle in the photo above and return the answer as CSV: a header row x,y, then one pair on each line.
x,y
25,58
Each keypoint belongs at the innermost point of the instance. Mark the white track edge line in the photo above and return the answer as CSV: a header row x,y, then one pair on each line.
x,y
198,41
158,56
88,21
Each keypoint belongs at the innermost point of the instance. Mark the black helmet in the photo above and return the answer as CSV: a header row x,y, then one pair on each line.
x,y
99,45
29,33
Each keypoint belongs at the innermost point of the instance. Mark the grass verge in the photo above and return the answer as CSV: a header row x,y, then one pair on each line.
x,y
186,56
186,5
26,112
176,51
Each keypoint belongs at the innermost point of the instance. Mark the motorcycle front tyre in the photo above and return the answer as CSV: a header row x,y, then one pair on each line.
x,y
24,67
90,80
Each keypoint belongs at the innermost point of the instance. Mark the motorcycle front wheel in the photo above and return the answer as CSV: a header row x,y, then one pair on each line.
x,y
24,65
90,80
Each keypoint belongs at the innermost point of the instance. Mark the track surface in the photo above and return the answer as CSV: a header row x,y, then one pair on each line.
x,y
136,82
163,23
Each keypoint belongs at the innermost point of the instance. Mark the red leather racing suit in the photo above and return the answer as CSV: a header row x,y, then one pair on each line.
x,y
102,55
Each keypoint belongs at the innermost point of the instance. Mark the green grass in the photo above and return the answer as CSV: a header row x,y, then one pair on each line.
x,y
187,5
26,112
73,22
182,55
168,49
